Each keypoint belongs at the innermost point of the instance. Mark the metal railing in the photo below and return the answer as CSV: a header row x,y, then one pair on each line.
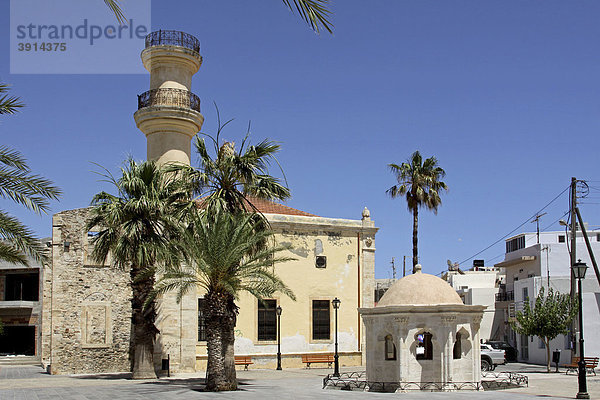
x,y
505,296
169,97
503,380
173,38
358,381
490,380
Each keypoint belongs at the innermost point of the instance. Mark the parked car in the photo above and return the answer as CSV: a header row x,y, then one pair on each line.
x,y
511,352
491,357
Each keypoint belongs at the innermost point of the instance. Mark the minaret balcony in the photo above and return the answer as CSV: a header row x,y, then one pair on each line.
x,y
170,97
173,38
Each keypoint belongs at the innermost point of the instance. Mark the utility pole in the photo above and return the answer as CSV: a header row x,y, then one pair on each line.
x,y
393,269
537,222
573,247
404,267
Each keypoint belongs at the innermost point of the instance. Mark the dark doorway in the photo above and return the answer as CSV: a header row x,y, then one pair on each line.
x,y
18,340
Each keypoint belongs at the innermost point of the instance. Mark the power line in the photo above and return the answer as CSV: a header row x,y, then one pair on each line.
x,y
518,227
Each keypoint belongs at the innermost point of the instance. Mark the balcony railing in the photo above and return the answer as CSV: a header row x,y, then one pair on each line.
x,y
169,97
173,38
505,296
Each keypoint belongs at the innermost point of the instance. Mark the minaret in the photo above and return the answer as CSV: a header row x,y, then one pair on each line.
x,y
169,113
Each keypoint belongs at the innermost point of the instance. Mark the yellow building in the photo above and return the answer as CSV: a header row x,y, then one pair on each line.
x,y
333,258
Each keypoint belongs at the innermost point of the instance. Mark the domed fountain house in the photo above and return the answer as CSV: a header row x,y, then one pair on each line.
x,y
421,336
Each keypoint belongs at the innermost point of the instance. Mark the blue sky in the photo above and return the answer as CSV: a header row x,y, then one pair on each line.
x,y
505,94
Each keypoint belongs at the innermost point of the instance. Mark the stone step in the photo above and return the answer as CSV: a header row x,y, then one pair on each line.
x,y
20,360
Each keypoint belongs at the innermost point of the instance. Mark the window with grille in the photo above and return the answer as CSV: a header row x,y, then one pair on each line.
x,y
267,320
201,321
321,325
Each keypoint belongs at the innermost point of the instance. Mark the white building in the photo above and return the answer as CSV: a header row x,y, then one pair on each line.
x,y
530,266
479,286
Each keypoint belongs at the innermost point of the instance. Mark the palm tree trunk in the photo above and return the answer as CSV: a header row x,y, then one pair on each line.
x,y
220,324
415,237
144,330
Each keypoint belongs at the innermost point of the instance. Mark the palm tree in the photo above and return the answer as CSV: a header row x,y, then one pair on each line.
x,y
224,257
314,12
231,178
136,228
17,183
420,182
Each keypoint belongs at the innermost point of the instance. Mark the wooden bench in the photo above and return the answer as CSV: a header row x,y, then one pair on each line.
x,y
243,360
590,365
317,358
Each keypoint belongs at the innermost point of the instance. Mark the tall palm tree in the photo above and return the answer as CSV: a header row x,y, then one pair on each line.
x,y
17,183
136,228
314,12
222,258
420,181
230,179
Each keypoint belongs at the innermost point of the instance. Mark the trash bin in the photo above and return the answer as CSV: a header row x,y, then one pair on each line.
x,y
165,365
556,357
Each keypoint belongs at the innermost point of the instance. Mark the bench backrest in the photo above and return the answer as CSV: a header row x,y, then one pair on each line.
x,y
589,361
316,357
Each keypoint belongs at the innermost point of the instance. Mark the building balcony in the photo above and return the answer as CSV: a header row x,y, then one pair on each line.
x,y
505,296
173,38
169,97
18,304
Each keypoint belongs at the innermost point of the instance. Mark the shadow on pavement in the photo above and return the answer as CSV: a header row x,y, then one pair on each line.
x,y
195,384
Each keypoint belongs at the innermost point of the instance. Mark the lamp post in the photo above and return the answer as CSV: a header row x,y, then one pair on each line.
x,y
579,269
278,310
336,363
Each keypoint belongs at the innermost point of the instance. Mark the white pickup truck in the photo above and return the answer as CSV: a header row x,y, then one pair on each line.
x,y
491,357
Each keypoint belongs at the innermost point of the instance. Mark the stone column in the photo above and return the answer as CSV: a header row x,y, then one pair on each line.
x,y
367,265
475,324
403,350
449,326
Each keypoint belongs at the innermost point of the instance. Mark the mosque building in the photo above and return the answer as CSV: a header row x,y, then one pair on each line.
x,y
86,309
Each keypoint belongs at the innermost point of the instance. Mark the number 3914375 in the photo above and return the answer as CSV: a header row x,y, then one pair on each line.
x,y
44,46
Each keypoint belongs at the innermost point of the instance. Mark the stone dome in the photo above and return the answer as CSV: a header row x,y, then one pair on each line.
x,y
419,289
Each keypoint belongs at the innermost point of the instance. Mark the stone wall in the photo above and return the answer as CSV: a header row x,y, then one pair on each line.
x,y
86,308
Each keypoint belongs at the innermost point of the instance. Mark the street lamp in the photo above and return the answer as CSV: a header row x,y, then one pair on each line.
x,y
336,363
579,269
278,310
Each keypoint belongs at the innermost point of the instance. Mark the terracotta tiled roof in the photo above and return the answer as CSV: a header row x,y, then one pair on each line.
x,y
270,207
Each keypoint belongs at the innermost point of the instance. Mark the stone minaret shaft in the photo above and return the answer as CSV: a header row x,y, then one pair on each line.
x,y
169,113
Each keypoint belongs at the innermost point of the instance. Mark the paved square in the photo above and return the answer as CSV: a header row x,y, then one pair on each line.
x,y
31,382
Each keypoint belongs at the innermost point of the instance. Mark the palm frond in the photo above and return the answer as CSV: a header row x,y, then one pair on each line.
x,y
18,184
222,249
8,104
21,240
117,10
314,12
